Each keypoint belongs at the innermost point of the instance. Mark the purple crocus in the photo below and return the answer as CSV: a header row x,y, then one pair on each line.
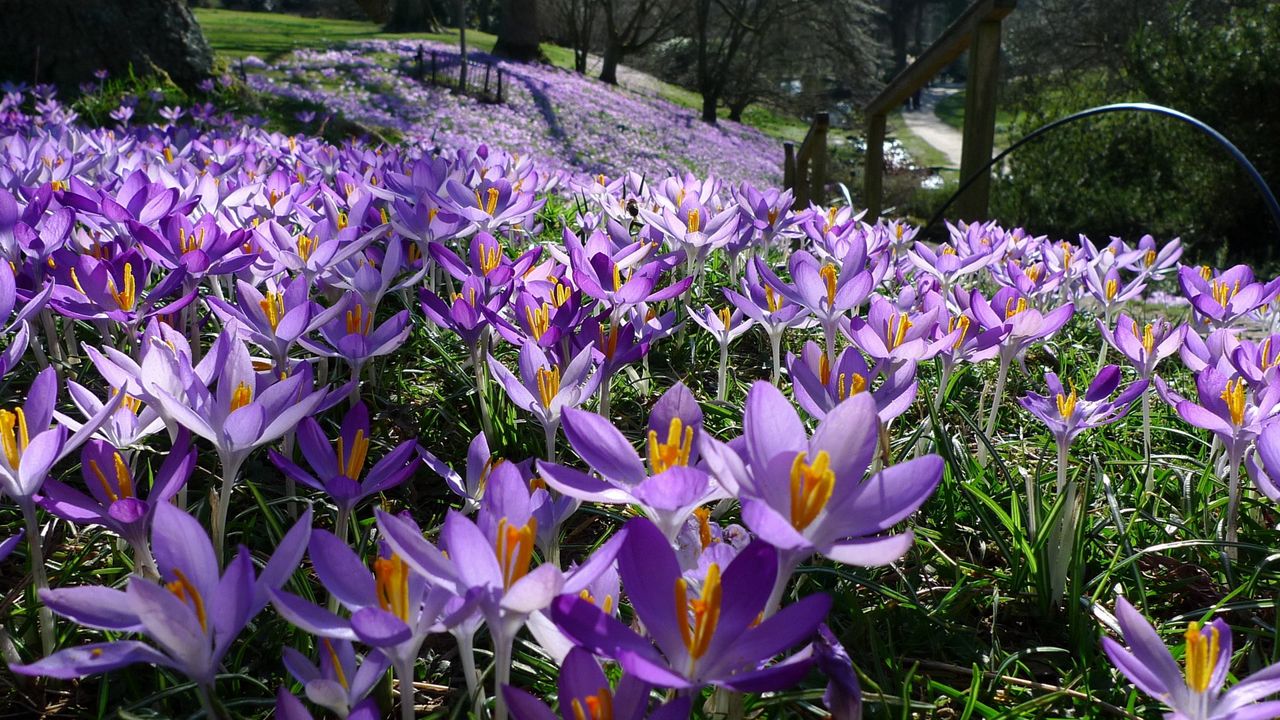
x,y
828,292
1264,463
585,693
767,308
114,500
8,544
338,467
1068,414
1229,409
667,490
1144,348
818,387
1193,692
1222,300
338,682
703,630
545,389
807,495
193,614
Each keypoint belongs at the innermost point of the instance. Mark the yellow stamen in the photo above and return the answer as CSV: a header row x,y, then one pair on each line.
x,y
824,369
1201,657
272,305
1149,337
1113,287
896,328
13,443
829,275
359,323
594,707
342,220
241,396
1067,404
539,320
1222,292
391,576
490,258
811,487
773,216
353,465
726,317
306,245
187,593
1234,395
1149,258
608,341
1013,307
675,451
961,322
168,154
695,220
856,384
772,299
703,516
705,610
127,297
515,549
336,663
1206,272
124,482
548,385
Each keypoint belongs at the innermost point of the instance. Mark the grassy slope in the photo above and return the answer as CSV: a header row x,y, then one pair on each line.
x,y
269,36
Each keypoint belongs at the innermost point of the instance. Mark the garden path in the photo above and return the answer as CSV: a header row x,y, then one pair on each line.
x,y
930,128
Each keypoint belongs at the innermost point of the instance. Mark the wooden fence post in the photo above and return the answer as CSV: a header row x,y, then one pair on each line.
x,y
818,158
487,68
789,165
873,174
979,119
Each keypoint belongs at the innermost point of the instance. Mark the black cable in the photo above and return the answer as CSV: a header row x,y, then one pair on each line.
x,y
1200,125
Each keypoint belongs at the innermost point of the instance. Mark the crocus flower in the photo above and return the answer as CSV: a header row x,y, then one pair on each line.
x,y
898,337
1195,691
1154,263
672,484
709,636
585,692
277,319
193,614
818,387
338,683
807,495
1264,463
8,544
353,337
245,412
338,468
767,308
1229,409
114,500
555,388
1067,414
724,325
1222,300
828,292
843,696
1144,348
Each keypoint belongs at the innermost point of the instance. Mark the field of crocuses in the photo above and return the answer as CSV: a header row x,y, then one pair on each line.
x,y
362,432
564,122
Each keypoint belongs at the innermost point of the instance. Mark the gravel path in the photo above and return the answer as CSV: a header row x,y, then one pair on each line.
x,y
930,128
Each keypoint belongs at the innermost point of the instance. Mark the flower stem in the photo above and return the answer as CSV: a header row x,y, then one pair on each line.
x,y
1149,485
221,502
501,673
467,653
404,680
550,431
996,396
722,378
39,574
775,349
477,364
605,385
1233,502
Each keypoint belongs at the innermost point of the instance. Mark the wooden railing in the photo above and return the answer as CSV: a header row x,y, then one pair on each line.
x,y
805,172
977,30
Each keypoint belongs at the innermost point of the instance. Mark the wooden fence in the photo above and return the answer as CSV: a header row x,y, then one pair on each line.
x,y
805,172
977,30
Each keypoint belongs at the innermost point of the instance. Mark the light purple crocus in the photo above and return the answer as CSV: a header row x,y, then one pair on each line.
x,y
1144,348
1068,414
818,388
1222,300
1193,692
193,615
809,494
667,489
337,469
555,388
339,682
702,630
585,693
828,292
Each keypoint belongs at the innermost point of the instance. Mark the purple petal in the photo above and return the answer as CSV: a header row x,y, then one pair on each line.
x,y
93,659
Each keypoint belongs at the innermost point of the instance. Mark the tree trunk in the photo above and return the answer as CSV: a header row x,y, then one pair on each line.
x,y
519,35
412,16
709,103
65,41
736,107
609,65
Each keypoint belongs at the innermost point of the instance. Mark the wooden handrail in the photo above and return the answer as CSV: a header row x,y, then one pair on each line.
x,y
808,184
978,30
